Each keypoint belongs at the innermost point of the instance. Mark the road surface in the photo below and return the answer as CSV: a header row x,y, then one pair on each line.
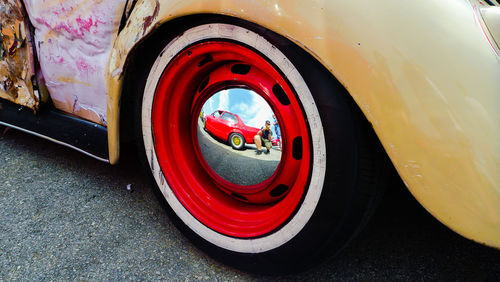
x,y
242,167
65,216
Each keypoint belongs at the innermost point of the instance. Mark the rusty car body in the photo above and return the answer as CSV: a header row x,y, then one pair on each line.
x,y
424,74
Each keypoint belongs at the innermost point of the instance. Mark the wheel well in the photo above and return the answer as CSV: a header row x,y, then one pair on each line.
x,y
335,105
147,49
145,52
137,63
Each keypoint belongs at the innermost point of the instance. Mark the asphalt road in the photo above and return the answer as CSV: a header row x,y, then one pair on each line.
x,y
242,167
65,216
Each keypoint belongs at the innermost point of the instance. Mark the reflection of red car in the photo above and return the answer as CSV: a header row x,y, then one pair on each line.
x,y
275,141
230,127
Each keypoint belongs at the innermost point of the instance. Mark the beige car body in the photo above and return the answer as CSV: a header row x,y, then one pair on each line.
x,y
426,74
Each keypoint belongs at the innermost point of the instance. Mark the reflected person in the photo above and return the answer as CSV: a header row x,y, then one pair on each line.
x,y
277,130
263,137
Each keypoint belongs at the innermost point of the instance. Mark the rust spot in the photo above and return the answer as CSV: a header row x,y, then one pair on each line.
x,y
8,85
16,55
149,19
129,7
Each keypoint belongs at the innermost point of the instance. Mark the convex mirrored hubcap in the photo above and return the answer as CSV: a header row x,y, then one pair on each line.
x,y
189,80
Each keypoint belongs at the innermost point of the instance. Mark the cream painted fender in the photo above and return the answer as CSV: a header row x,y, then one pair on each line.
x,y
424,73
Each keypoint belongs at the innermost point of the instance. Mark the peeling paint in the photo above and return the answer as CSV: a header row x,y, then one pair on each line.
x,y
16,56
149,19
128,9
140,22
74,40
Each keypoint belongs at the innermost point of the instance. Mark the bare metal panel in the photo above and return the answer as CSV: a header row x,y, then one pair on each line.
x,y
16,56
73,41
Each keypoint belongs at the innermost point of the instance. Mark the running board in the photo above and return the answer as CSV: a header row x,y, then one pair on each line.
x,y
78,134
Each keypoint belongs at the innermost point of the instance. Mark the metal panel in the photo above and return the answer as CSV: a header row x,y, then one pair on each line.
x,y
74,39
16,56
91,138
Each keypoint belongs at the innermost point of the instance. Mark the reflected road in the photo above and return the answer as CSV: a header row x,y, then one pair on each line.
x,y
243,167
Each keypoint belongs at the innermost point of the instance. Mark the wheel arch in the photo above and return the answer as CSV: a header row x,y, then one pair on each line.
x,y
153,17
122,90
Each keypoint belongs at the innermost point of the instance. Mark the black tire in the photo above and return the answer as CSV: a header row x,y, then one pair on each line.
x,y
233,141
353,181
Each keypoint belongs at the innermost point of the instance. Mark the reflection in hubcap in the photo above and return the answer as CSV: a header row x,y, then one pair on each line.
x,y
237,143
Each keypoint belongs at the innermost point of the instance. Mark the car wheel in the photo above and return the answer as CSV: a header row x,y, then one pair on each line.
x,y
328,180
237,141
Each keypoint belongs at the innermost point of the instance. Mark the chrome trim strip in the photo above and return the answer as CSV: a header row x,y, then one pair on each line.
x,y
55,141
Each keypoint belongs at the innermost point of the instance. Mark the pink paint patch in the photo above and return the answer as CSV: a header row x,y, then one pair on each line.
x,y
61,26
83,66
85,24
74,41
68,28
98,22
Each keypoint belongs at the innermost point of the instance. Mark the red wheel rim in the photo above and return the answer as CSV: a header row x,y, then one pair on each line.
x,y
187,82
